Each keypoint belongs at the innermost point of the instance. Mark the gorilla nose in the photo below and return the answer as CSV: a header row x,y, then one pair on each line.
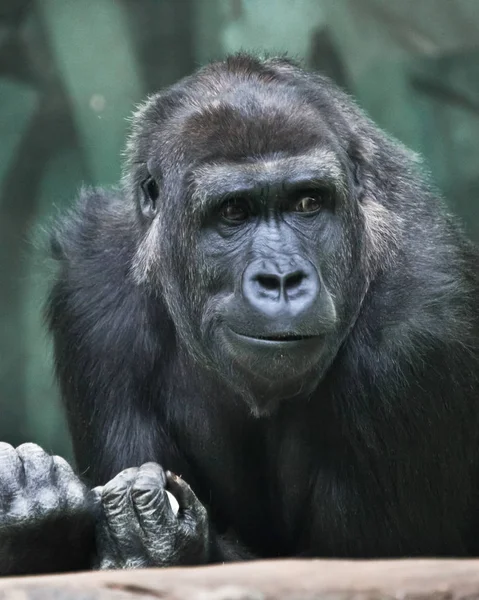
x,y
273,286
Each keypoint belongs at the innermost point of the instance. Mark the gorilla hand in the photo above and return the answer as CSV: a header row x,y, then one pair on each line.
x,y
45,520
141,526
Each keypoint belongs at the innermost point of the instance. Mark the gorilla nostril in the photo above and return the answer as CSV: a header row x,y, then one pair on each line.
x,y
269,282
280,289
294,280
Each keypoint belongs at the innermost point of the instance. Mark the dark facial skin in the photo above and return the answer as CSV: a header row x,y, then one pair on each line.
x,y
270,311
274,321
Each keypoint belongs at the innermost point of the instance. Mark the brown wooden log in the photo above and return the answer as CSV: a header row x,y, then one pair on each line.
x,y
265,580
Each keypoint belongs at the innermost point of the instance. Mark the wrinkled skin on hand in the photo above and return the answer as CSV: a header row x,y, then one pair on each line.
x,y
49,521
46,516
140,526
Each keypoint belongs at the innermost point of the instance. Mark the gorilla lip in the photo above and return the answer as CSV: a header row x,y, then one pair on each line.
x,y
282,337
277,338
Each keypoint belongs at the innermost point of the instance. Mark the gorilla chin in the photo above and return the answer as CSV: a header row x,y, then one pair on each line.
x,y
275,360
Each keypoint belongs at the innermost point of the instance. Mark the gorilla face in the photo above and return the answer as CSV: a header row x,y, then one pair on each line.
x,y
260,236
264,245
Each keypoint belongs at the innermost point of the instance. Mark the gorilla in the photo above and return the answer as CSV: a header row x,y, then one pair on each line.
x,y
266,339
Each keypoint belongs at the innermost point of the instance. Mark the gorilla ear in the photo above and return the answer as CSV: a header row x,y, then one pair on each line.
x,y
364,153
359,165
149,197
383,226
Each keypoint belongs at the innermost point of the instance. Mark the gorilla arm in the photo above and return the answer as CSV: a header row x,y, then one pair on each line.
x,y
106,354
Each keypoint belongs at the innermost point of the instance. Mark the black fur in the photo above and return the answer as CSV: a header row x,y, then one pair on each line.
x,y
369,450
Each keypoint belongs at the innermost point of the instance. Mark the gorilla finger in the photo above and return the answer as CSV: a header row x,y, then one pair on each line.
x,y
72,489
149,486
95,495
117,489
117,505
62,469
151,475
37,465
11,468
125,477
182,492
151,502
148,491
107,551
94,500
63,474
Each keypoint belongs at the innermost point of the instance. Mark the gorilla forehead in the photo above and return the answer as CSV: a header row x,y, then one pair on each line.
x,y
253,120
236,111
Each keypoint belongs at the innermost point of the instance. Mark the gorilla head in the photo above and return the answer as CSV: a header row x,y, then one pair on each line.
x,y
255,226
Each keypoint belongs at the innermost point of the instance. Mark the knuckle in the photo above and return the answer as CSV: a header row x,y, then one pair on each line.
x,y
154,472
114,492
153,466
10,465
30,449
119,485
76,493
62,467
6,448
146,482
8,458
20,510
112,501
143,491
154,469
96,493
114,489
126,476
48,499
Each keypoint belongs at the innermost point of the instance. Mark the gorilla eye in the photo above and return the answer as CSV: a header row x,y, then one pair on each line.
x,y
235,210
151,193
308,204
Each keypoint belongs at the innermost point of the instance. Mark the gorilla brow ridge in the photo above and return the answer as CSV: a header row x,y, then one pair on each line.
x,y
215,180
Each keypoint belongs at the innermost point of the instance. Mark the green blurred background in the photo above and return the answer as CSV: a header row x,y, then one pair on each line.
x,y
72,70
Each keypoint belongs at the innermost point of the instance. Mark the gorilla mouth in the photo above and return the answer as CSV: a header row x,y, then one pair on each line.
x,y
283,337
277,337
